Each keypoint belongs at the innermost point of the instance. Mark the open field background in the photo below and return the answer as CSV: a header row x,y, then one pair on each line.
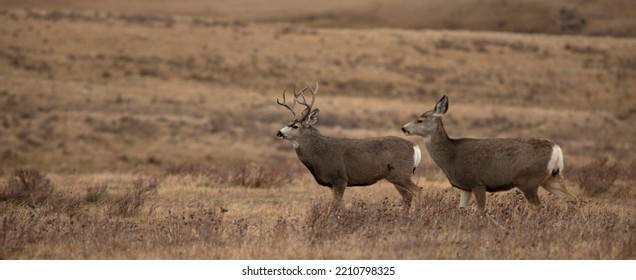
x,y
153,126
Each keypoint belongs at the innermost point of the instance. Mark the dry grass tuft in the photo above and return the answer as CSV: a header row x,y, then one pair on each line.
x,y
201,224
370,218
131,203
598,177
96,193
244,174
27,186
259,176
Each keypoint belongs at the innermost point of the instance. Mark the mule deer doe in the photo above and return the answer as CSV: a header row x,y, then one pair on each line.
x,y
477,166
339,162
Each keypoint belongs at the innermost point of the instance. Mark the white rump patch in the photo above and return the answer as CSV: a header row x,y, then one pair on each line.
x,y
555,166
417,156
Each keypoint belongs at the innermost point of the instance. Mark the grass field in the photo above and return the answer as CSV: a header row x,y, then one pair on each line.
x,y
148,131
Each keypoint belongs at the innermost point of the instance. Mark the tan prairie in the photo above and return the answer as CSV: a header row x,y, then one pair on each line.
x,y
156,125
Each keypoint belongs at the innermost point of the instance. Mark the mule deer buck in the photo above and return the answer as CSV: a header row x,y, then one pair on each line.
x,y
477,166
338,163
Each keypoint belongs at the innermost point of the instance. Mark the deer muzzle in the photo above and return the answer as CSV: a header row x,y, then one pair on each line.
x,y
406,131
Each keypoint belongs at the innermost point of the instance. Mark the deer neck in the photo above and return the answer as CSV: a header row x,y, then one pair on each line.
x,y
312,149
440,147
310,142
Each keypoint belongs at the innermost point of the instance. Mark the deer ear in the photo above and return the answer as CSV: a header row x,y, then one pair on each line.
x,y
312,118
441,107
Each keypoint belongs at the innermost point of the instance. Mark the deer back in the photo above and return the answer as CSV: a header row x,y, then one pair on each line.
x,y
495,163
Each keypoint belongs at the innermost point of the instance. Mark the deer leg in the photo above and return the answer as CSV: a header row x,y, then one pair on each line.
x,y
407,191
406,188
556,187
532,195
465,199
530,188
407,198
480,197
338,192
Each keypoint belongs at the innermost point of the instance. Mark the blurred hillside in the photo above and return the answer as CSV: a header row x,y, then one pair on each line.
x,y
584,17
114,85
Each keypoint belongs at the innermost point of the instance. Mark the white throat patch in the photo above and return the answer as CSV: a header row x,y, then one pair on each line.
x,y
295,144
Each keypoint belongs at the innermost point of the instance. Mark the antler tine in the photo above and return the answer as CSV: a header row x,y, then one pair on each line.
x,y
313,96
284,104
304,102
313,93
296,95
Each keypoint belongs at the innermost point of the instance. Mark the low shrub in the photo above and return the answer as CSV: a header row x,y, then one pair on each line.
x,y
96,193
27,186
131,203
243,174
598,177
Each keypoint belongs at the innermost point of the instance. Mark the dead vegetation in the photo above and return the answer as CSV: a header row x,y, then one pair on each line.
x,y
362,228
603,177
27,186
242,174
133,201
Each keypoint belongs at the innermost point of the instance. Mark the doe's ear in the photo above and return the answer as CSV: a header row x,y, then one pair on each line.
x,y
312,118
441,107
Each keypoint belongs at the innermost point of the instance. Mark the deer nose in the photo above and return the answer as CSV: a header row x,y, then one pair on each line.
x,y
404,130
279,134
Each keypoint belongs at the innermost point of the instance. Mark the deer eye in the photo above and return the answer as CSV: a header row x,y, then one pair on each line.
x,y
419,121
294,126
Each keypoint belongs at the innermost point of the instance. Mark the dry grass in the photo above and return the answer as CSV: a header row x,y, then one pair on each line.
x,y
133,201
27,186
96,193
97,97
242,174
370,225
598,177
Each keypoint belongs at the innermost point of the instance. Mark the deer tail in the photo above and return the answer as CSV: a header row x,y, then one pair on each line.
x,y
417,157
555,165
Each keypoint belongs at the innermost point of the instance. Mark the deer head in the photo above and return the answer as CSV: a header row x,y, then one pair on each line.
x,y
309,116
428,123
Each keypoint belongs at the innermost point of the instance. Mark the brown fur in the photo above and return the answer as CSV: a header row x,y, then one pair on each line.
x,y
339,162
489,165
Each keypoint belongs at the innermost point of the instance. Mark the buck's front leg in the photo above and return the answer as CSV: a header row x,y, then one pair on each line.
x,y
338,181
338,192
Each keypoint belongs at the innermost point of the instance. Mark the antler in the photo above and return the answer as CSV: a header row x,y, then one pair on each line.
x,y
284,104
293,104
305,112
